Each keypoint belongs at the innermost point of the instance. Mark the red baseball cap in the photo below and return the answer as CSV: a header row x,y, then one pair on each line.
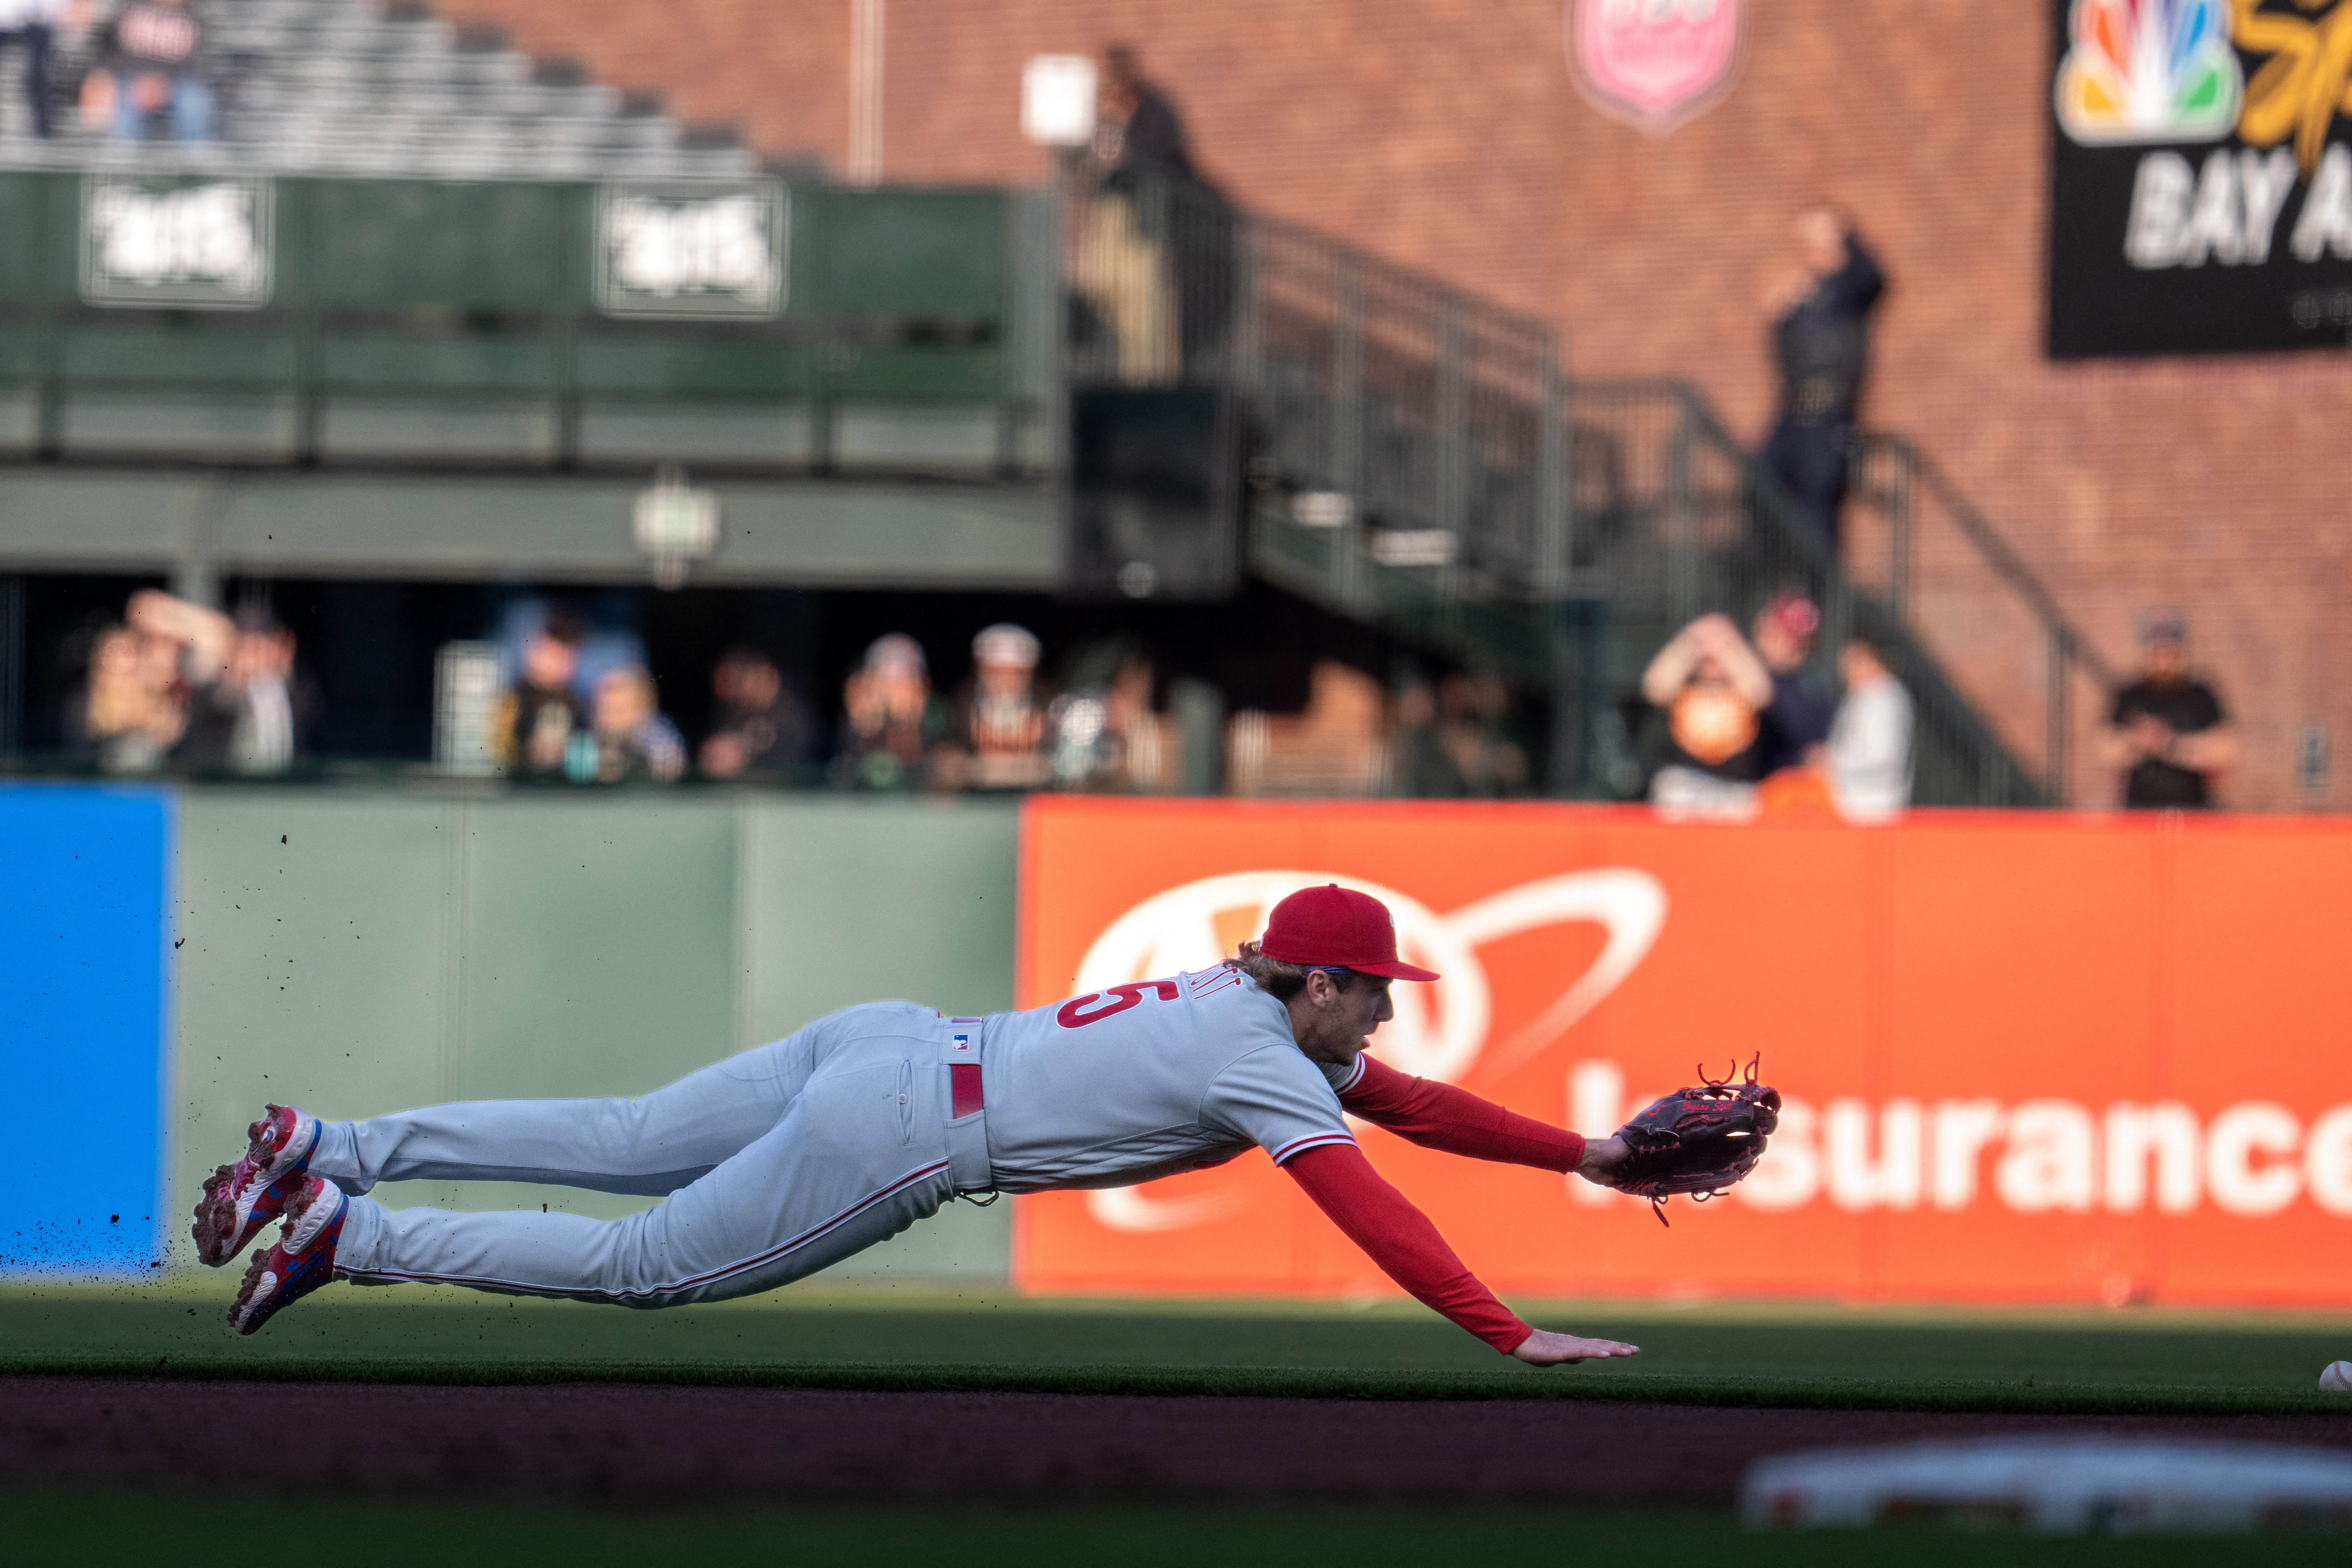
x,y
1336,928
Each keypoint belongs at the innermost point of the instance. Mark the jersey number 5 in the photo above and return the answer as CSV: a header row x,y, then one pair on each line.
x,y
1073,1014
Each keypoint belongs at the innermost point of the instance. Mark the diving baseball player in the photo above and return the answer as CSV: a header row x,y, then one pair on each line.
x,y
792,1156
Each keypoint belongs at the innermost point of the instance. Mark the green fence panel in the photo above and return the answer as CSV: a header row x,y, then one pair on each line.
x,y
39,215
598,955
360,954
510,362
201,353
313,966
851,901
918,372
508,245
935,254
416,284
23,355
651,366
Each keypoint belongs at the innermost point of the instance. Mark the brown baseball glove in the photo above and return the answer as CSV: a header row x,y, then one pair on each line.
x,y
1698,1140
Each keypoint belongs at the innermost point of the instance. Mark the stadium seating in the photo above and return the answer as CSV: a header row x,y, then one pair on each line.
x,y
350,87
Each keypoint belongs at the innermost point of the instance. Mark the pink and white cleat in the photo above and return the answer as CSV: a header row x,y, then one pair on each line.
x,y
240,1199
302,1258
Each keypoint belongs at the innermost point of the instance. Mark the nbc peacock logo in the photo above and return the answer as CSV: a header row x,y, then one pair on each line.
x,y
2149,70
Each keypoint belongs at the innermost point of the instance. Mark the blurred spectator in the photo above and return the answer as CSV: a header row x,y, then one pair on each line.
x,y
129,712
1125,271
1103,733
997,731
154,60
2167,730
634,741
1820,336
1712,689
537,717
890,720
1139,132
252,718
1455,740
1797,721
763,729
31,25
1869,757
237,695
1423,768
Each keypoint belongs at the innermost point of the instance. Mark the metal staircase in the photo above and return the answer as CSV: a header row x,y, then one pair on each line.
x,y
1417,459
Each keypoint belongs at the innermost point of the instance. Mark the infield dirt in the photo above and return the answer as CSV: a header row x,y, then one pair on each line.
x,y
662,1447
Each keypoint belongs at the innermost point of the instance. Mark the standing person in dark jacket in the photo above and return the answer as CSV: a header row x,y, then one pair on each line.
x,y
2167,730
1821,339
1149,137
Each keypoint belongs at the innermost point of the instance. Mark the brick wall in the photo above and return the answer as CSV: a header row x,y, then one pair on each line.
x,y
1447,133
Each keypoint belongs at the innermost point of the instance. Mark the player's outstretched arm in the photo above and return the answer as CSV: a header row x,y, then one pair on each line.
x,y
1440,1116
1407,1249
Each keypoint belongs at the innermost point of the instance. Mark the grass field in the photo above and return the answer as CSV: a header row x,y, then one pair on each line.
x,y
2136,1362
913,1338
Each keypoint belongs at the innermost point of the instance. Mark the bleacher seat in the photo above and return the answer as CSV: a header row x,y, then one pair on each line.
x,y
356,86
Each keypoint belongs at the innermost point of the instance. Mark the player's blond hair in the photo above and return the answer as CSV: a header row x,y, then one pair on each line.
x,y
1280,980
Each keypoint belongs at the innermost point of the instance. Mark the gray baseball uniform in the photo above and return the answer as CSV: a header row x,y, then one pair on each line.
x,y
795,1155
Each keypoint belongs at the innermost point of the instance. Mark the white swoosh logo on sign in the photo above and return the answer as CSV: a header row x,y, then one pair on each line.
x,y
1439,1031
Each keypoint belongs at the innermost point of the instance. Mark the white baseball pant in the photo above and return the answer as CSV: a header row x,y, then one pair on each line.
x,y
777,1162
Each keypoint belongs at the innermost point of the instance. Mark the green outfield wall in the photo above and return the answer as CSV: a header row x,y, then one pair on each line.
x,y
356,954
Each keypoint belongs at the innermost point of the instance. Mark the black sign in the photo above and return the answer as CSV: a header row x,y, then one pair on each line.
x,y
2200,180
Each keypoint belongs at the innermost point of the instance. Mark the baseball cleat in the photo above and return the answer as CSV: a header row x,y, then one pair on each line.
x,y
299,1261
240,1200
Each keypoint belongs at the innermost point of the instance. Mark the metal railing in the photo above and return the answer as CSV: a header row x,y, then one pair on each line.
x,y
1948,575
1419,460
1419,428
1674,518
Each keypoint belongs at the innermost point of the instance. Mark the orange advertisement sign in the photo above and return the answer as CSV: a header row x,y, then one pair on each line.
x,y
2026,1058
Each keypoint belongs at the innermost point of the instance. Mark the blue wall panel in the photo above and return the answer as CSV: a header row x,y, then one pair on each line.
x,y
84,888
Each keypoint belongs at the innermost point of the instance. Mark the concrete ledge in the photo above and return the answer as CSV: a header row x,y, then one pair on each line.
x,y
814,532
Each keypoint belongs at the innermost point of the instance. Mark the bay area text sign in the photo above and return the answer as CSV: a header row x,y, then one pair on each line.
x,y
2201,196
2027,1058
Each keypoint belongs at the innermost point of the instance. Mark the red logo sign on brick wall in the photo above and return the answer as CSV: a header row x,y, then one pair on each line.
x,y
1655,63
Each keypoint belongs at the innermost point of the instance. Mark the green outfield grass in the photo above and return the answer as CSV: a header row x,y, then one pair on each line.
x,y
95,1530
901,1337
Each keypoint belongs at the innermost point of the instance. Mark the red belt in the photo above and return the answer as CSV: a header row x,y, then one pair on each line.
x,y
963,1080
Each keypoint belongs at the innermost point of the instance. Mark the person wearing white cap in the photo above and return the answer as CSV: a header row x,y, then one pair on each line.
x,y
890,720
996,728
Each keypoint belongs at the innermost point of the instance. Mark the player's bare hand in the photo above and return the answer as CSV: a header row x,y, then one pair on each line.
x,y
1545,1348
1602,1156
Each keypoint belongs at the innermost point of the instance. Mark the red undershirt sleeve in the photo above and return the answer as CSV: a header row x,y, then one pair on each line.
x,y
1440,1116
1401,1239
